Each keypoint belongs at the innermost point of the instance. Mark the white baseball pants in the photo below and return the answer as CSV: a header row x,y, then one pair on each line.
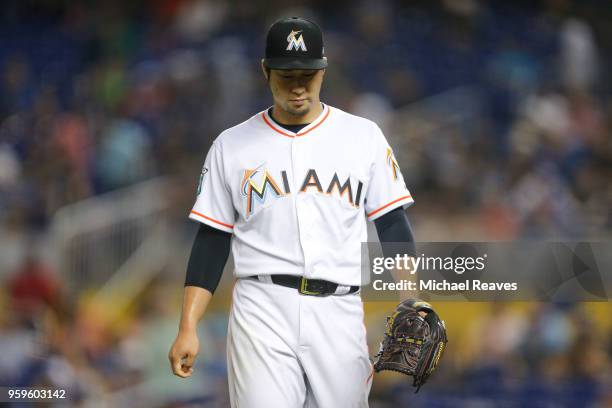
x,y
287,350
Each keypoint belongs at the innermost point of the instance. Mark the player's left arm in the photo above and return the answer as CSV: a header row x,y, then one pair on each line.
x,y
394,229
386,199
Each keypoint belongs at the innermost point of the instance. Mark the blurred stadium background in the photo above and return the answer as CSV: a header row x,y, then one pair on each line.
x,y
500,114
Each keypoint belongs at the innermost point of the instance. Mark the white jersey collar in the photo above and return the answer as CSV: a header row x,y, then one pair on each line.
x,y
312,126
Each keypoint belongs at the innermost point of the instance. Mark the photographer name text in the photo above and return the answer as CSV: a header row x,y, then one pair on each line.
x,y
443,285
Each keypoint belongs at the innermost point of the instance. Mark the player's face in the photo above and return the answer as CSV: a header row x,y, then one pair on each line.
x,y
296,91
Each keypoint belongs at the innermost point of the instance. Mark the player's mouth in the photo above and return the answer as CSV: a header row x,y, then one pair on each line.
x,y
298,102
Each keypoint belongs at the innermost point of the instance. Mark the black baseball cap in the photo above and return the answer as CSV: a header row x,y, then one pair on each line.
x,y
294,43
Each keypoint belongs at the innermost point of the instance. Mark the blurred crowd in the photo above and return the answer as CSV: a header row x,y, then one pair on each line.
x,y
96,96
49,343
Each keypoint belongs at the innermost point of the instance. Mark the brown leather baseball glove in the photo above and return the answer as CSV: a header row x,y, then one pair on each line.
x,y
413,345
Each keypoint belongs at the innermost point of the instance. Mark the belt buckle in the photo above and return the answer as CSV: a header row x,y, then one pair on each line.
x,y
312,287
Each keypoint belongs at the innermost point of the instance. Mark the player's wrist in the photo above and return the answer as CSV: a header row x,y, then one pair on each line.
x,y
188,327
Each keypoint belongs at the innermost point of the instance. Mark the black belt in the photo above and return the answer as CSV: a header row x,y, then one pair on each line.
x,y
312,287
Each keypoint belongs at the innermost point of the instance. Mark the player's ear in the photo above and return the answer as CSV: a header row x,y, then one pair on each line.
x,y
265,70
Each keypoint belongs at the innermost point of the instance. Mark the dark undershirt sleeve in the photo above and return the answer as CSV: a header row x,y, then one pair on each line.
x,y
209,254
395,227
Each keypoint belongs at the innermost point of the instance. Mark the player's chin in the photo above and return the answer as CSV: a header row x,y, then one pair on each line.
x,y
298,107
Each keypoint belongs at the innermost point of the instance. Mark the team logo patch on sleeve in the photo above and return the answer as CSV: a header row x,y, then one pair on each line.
x,y
392,163
204,171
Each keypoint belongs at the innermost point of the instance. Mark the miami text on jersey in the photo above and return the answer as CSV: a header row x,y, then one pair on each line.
x,y
257,182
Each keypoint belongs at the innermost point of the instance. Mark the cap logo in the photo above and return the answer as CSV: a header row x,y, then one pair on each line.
x,y
296,42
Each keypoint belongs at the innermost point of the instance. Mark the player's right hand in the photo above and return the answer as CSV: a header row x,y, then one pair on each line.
x,y
183,353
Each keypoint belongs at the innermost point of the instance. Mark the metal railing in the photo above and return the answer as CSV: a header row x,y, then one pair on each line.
x,y
94,238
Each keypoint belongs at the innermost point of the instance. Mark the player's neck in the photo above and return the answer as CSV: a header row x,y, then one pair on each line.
x,y
287,118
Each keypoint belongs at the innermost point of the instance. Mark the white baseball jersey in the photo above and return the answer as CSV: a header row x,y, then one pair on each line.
x,y
297,203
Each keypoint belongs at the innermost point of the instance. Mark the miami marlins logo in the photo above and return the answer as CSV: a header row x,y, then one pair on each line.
x,y
296,42
252,190
392,163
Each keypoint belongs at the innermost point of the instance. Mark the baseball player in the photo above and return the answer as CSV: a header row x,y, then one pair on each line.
x,y
290,190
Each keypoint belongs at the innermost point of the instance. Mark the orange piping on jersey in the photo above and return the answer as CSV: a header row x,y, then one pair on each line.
x,y
263,115
317,125
212,219
386,205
